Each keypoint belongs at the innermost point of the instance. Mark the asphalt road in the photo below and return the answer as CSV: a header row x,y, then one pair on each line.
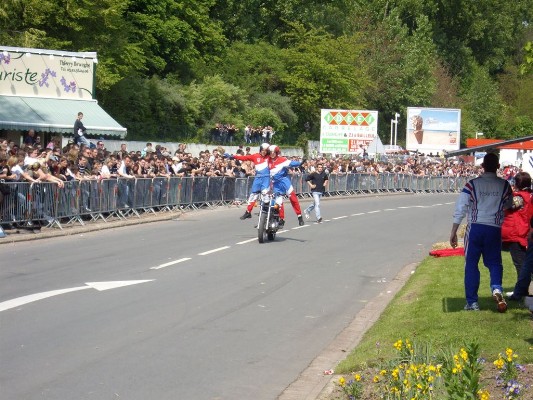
x,y
204,310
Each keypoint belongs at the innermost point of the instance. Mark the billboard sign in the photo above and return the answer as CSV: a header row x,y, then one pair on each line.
x,y
345,131
433,129
46,73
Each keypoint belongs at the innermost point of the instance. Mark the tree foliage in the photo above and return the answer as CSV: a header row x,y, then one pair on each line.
x,y
170,69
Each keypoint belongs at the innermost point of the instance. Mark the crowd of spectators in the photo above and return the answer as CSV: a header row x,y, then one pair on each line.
x,y
33,163
227,134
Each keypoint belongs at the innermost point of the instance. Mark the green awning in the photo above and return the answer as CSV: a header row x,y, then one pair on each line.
x,y
56,115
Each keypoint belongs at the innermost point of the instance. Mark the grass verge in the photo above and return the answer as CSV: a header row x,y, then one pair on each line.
x,y
429,308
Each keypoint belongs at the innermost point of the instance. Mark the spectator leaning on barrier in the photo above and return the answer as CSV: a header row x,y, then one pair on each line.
x,y
484,200
124,170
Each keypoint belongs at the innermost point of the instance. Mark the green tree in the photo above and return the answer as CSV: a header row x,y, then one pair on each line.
x,y
250,21
86,25
257,67
152,109
279,104
215,101
175,34
403,69
483,102
527,65
323,72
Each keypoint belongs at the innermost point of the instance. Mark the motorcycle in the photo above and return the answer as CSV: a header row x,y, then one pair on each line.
x,y
268,224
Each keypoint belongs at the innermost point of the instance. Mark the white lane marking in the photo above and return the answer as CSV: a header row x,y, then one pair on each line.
x,y
406,207
247,241
344,216
300,227
355,215
168,264
389,209
438,204
100,286
213,251
373,212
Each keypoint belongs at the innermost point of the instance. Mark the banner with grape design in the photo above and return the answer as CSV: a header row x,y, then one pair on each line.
x,y
46,73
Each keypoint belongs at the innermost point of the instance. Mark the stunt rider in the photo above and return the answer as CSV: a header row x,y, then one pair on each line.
x,y
279,171
262,175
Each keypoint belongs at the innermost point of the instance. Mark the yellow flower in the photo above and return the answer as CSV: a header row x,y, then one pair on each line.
x,y
376,379
499,363
342,381
383,372
464,354
398,344
483,395
357,377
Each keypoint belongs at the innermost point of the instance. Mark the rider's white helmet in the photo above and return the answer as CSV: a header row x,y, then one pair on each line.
x,y
274,149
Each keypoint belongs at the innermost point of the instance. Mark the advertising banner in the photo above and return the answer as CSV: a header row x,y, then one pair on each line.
x,y
347,131
433,129
46,73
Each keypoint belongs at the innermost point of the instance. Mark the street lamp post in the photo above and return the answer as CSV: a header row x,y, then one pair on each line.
x,y
395,121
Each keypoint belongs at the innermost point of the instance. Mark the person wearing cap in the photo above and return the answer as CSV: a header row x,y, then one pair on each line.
x,y
279,171
261,181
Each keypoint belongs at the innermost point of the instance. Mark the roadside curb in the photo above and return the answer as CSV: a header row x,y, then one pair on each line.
x,y
46,233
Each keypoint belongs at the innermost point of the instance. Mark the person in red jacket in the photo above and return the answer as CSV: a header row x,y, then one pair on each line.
x,y
515,226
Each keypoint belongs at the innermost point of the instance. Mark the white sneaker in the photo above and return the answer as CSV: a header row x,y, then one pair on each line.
x,y
500,301
306,213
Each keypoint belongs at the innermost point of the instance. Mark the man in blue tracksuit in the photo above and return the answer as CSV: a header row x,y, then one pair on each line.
x,y
483,199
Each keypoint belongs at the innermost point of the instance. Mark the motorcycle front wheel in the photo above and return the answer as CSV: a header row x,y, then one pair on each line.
x,y
262,228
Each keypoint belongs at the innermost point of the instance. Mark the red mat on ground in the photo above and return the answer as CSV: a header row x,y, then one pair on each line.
x,y
459,251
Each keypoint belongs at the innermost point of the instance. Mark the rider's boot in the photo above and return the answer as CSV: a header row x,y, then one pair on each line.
x,y
281,223
246,215
300,220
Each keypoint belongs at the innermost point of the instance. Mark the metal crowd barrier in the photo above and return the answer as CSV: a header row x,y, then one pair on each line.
x,y
90,200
